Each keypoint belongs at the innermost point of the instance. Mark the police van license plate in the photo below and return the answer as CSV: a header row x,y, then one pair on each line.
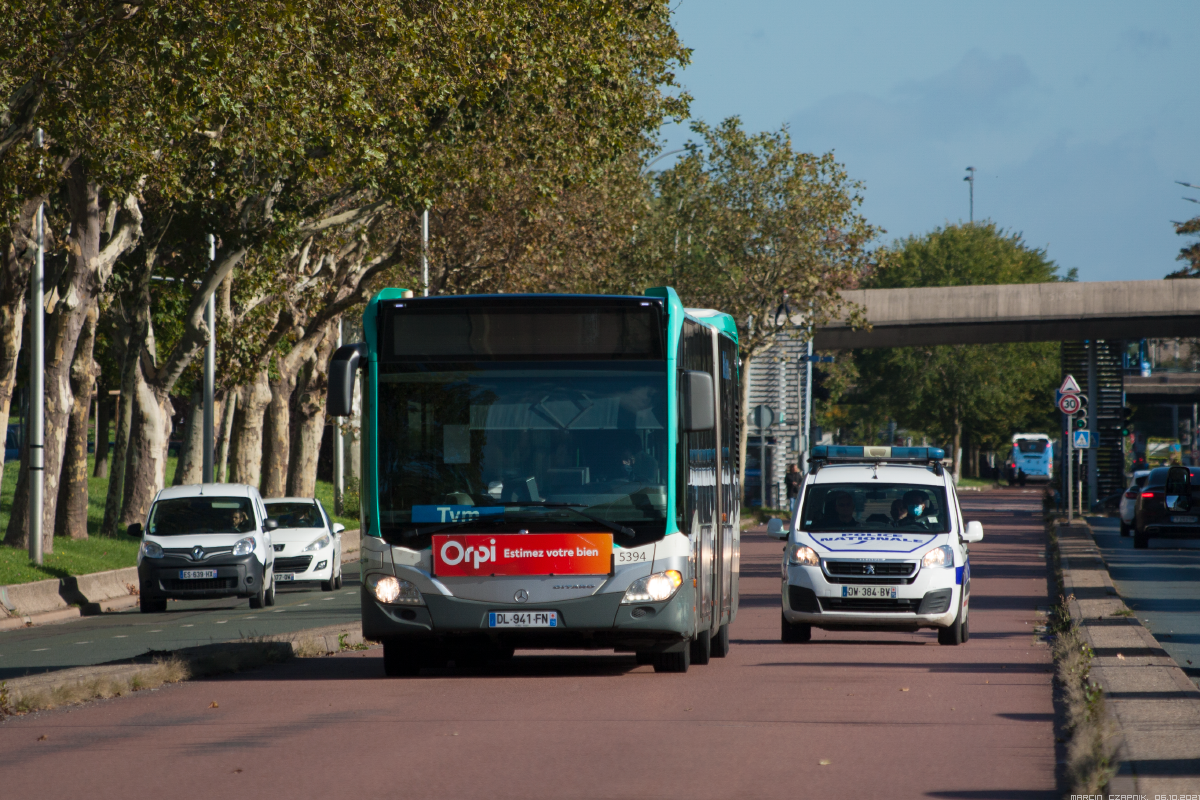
x,y
196,574
876,592
522,619
285,576
1184,520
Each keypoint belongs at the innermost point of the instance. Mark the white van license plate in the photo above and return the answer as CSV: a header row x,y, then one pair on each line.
x,y
522,619
196,574
285,576
880,592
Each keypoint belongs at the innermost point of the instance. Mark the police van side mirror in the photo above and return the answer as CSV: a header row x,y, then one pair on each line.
x,y
776,529
973,533
699,412
339,401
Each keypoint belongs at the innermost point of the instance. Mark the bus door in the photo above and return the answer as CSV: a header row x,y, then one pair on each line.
x,y
700,448
728,416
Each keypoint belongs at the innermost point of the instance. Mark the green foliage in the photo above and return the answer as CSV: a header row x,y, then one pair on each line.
x,y
946,392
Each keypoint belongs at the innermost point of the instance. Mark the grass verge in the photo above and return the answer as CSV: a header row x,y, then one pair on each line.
x,y
162,670
1090,732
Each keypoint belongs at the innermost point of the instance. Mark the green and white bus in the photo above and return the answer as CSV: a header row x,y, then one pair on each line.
x,y
545,471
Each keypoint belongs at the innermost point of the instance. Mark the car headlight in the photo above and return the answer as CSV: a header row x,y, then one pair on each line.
x,y
313,546
939,557
654,588
244,547
393,591
803,555
151,550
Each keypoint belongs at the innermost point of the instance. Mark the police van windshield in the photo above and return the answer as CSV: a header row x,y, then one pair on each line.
x,y
877,507
185,515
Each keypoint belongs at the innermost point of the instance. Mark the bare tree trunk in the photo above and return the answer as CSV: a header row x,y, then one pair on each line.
x,y
248,431
308,423
114,502
14,284
956,453
148,448
103,423
77,290
73,491
276,435
227,410
190,467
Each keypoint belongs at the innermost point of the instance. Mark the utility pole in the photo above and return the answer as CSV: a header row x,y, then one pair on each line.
x,y
339,469
37,381
970,179
425,250
210,367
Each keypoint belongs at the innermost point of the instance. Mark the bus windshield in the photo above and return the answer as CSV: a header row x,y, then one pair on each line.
x,y
519,444
1032,446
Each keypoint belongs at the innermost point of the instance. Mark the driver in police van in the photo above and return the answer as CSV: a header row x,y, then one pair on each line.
x,y
913,509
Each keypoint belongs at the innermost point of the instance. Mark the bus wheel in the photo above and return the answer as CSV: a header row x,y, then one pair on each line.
x,y
701,648
794,633
400,659
720,642
673,662
644,657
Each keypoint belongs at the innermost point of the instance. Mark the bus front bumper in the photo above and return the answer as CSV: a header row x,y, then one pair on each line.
x,y
596,622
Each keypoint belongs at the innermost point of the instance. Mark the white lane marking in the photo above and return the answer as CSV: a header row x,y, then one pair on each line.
x,y
187,626
279,611
157,631
252,616
83,643
40,650
122,636
222,621
327,599
301,604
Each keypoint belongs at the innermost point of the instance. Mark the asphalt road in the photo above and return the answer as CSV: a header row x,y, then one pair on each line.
x,y
113,637
847,715
1161,584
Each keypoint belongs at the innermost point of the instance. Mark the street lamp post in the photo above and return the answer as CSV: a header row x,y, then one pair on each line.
x,y
37,382
970,179
210,366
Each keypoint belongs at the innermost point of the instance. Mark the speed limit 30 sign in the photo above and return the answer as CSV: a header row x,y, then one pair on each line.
x,y
1069,403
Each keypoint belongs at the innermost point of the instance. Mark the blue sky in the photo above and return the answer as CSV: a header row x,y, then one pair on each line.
x,y
1078,117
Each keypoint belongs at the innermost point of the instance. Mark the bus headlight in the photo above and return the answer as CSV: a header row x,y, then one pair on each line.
x,y
393,591
803,556
939,557
654,588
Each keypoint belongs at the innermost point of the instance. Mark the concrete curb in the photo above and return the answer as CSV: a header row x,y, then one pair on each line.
x,y
1152,703
26,599
200,660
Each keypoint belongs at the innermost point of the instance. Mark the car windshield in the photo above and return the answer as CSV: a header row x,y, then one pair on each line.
x,y
295,515
183,515
1032,446
502,443
875,507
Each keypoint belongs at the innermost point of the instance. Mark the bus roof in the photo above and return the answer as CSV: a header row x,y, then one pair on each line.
x,y
714,319
1017,436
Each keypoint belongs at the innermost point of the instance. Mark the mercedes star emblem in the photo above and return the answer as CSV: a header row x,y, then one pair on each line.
x,y
521,596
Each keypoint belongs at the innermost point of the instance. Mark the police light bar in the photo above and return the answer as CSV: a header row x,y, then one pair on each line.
x,y
871,453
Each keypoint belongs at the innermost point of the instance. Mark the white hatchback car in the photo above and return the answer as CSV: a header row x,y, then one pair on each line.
x,y
1127,508
308,544
879,543
204,541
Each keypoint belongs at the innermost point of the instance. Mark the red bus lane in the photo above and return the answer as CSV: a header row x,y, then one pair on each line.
x,y
842,716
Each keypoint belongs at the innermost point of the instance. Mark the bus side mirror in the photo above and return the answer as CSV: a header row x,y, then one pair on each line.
x,y
339,401
699,411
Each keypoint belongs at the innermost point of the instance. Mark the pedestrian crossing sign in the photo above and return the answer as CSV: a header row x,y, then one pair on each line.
x,y
1082,440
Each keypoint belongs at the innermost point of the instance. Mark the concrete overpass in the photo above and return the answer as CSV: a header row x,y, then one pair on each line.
x,y
1028,312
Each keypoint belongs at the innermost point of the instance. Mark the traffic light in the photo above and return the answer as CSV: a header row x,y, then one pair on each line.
x,y
1081,422
1126,421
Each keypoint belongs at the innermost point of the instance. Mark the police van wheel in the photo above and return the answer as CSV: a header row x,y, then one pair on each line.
x,y
720,642
794,633
1124,528
673,662
1141,539
957,632
701,648
400,659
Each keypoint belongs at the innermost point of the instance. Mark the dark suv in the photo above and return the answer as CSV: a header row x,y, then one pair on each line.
x,y
1169,505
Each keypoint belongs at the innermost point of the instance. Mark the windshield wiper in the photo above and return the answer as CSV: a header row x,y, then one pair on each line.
x,y
578,509
447,525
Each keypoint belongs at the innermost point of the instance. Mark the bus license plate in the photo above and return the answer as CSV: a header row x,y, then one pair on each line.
x,y
285,576
196,574
522,619
1184,520
879,592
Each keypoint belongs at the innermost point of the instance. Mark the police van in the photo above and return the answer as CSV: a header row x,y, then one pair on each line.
x,y
878,543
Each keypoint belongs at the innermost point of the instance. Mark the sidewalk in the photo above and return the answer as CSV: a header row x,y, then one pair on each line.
x,y
1154,704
